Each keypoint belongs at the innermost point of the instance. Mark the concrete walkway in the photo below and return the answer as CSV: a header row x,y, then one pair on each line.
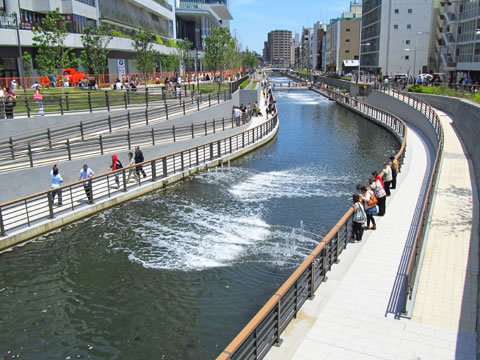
x,y
353,314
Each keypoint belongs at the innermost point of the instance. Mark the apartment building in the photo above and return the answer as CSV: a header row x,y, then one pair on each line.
x,y
343,40
124,16
304,47
279,47
395,36
316,45
195,19
458,39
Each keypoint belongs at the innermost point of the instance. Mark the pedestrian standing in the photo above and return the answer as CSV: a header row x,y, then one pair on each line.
x,y
56,184
86,174
10,102
378,177
370,206
38,97
13,84
116,164
359,217
394,166
387,170
131,170
2,103
380,194
139,159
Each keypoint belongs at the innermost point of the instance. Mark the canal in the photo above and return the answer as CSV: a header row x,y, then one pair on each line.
x,y
177,274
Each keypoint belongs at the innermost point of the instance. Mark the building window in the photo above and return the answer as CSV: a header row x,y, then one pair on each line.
x,y
410,11
395,27
347,40
409,26
396,11
407,42
347,29
88,2
347,51
407,57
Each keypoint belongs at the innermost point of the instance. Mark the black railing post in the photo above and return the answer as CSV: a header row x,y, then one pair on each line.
x,y
69,150
60,100
193,135
67,102
211,151
153,137
198,104
49,137
30,155
125,99
223,123
182,166
50,205
205,126
173,133
128,140
213,124
209,101
154,170
146,95
90,102
129,120
183,107
164,161
81,130
2,226
124,176
107,100
146,116
27,106
166,111
101,144
109,124
218,97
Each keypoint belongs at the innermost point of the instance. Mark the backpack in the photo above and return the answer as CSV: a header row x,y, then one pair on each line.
x,y
119,164
359,215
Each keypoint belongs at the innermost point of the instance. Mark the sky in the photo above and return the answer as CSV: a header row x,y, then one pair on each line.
x,y
254,19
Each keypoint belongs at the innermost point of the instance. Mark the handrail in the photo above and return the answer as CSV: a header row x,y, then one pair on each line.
x,y
24,212
98,133
427,110
265,328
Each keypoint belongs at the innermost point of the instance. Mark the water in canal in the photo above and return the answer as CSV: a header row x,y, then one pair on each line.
x,y
177,274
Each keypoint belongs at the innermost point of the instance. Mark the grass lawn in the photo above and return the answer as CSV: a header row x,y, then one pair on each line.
x,y
245,83
444,90
77,98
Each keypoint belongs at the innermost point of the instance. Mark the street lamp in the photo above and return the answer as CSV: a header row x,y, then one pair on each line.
x,y
359,53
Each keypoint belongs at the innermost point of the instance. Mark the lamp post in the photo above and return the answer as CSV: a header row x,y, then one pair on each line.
x,y
359,57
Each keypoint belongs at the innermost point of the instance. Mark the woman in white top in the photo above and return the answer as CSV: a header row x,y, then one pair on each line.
x,y
131,161
370,210
380,194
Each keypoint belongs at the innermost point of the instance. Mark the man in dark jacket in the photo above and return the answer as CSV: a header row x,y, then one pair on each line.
x,y
139,159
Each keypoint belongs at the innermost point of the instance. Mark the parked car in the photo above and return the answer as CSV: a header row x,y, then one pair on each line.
x,y
426,77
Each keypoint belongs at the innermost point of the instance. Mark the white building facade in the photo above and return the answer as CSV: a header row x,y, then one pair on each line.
x,y
395,36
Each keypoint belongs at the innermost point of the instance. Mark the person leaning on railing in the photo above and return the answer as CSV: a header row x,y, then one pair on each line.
x,y
86,174
56,184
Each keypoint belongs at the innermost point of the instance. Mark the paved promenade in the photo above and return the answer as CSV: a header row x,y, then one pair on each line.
x,y
354,315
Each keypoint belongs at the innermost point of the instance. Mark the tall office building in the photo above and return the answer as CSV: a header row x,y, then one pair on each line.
x,y
280,48
304,48
460,39
195,18
316,52
343,40
124,16
396,36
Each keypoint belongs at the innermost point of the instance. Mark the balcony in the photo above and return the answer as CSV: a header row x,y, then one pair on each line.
x,y
165,4
449,39
452,18
448,60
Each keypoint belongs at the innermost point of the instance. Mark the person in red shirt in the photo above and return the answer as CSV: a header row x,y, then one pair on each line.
x,y
378,177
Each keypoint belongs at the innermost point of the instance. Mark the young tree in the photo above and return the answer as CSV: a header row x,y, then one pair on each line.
x,y
49,38
27,64
183,50
94,56
169,62
249,59
144,53
219,49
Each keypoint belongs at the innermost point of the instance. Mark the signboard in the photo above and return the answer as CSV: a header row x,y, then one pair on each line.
x,y
121,67
67,17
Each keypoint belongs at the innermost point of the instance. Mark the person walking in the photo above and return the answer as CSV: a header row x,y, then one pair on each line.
x,y
131,170
2,103
359,217
370,206
38,97
139,159
380,194
86,174
56,184
10,102
116,164
387,171
394,166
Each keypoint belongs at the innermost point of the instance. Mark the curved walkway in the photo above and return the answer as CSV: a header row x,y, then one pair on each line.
x,y
353,313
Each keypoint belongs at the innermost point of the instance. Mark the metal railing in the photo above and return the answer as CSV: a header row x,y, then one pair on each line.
x,y
434,120
100,100
29,147
266,327
37,208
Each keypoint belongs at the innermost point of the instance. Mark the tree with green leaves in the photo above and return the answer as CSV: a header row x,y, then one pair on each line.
x,y
145,56
249,59
220,49
27,64
169,62
183,50
49,38
95,41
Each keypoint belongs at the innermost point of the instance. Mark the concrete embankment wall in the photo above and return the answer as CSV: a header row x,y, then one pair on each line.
x,y
352,88
33,180
466,121
405,112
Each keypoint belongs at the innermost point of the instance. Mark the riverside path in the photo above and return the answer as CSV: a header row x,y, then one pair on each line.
x,y
354,314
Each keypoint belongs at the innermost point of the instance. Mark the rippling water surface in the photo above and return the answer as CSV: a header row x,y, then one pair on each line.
x,y
177,274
